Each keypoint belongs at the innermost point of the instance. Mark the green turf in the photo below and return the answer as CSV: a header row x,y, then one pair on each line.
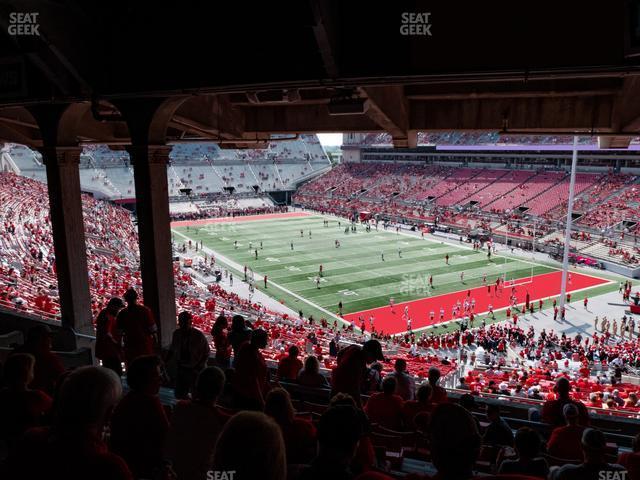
x,y
354,273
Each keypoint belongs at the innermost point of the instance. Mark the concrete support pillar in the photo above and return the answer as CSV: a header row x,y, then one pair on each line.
x,y
152,208
63,179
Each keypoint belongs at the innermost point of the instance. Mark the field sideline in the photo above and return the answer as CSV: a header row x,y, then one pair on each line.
x,y
355,273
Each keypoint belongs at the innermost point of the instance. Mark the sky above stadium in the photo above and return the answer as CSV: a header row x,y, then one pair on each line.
x,y
330,139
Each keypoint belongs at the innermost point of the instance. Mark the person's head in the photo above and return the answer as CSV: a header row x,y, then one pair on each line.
x,y
339,432
18,370
468,402
86,398
527,443
130,296
294,351
311,364
251,444
40,337
372,350
400,365
570,413
424,392
593,445
342,399
493,412
220,324
389,385
259,338
562,388
279,407
143,374
454,441
114,305
237,322
209,385
184,320
433,376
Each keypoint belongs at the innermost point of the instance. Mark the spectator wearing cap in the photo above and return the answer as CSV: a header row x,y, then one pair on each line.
x,y
529,461
631,460
351,374
250,382
290,365
385,408
195,427
190,351
594,466
552,409
339,433
73,447
139,424
439,394
137,327
566,442
48,367
498,431
108,340
405,385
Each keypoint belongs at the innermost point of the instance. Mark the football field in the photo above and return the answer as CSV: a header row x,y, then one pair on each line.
x,y
291,249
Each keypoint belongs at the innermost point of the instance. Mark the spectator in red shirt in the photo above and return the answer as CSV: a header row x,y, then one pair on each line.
x,y
107,338
190,351
139,424
72,448
566,442
195,428
631,460
439,394
299,434
48,367
251,445
290,366
552,409
385,408
137,327
250,378
351,373
310,375
221,342
20,407
413,407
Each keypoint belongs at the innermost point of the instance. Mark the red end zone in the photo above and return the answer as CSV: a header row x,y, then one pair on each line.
x,y
542,286
239,218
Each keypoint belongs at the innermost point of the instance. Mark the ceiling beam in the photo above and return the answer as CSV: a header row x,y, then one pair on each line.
x,y
388,108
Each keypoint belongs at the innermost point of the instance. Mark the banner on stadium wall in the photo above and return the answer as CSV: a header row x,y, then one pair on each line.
x,y
364,216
